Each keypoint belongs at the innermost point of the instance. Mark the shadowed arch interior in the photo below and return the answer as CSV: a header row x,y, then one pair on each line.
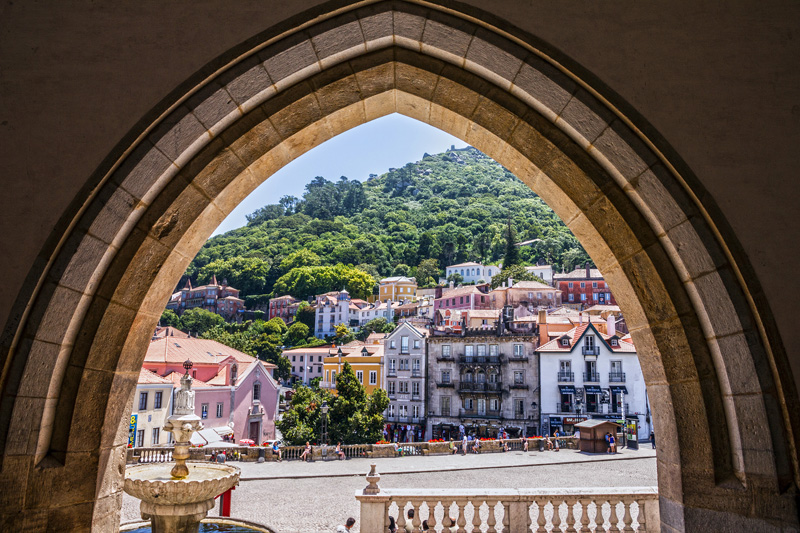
x,y
708,371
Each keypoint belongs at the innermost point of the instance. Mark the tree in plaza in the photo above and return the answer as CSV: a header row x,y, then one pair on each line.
x,y
301,421
197,321
376,325
512,250
170,319
355,417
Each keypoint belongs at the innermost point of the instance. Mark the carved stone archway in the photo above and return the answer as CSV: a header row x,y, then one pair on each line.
x,y
716,380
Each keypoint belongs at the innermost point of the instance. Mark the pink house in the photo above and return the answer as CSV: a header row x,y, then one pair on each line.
x,y
465,297
236,393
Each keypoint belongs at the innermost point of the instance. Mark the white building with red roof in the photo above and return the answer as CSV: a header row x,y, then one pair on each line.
x,y
234,392
151,407
589,374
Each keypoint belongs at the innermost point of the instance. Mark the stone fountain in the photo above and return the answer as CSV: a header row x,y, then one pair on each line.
x,y
176,499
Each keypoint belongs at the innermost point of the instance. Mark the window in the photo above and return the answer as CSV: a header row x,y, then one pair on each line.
x,y
571,297
392,344
333,376
445,350
583,284
157,400
583,297
415,365
403,387
614,342
493,350
156,432
468,403
519,408
327,375
530,295
570,284
140,438
220,408
416,344
565,366
493,377
204,411
444,403
565,342
391,387
494,404
392,365
403,344
256,391
391,409
481,406
403,410
518,350
415,411
616,367
481,350
373,377
445,376
469,350
589,341
519,377
301,358
293,370
142,401
360,376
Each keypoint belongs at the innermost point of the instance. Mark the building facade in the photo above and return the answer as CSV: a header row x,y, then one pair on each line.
x,y
473,272
232,389
307,363
588,374
219,298
405,360
467,297
583,287
483,380
397,288
366,359
152,405
525,294
332,309
544,272
284,307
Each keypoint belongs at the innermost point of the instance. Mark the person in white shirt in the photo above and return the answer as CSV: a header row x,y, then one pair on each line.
x,y
347,526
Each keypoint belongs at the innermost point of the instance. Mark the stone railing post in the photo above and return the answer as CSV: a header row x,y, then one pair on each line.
x,y
518,517
373,504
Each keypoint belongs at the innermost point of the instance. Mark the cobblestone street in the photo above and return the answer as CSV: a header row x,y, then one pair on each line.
x,y
293,497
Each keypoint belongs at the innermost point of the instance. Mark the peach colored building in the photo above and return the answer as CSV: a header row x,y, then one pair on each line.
x,y
233,389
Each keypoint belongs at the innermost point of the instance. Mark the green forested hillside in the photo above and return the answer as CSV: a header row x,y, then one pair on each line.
x,y
450,208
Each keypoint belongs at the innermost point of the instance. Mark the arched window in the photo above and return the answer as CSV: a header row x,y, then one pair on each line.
x,y
256,391
481,377
467,377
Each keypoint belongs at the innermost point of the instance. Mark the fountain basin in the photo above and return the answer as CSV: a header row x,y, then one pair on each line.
x,y
153,484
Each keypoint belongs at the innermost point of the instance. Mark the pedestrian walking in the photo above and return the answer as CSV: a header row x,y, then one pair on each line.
x,y
653,439
306,455
608,442
347,526
525,444
464,444
555,440
612,442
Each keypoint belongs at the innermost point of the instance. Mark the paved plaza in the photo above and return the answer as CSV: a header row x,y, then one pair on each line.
x,y
294,497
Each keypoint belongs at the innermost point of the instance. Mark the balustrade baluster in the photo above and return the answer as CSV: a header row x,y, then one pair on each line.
x,y
492,521
598,519
401,518
528,519
627,519
506,516
613,518
476,516
416,522
641,518
557,517
432,515
584,503
447,522
541,519
462,517
387,511
571,515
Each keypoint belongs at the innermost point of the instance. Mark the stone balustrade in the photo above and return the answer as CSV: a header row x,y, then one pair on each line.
x,y
539,510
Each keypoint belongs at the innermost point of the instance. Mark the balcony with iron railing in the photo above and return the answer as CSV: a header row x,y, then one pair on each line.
x,y
477,413
616,377
445,384
481,359
591,377
469,386
416,373
518,358
518,385
391,373
566,377
591,350
445,359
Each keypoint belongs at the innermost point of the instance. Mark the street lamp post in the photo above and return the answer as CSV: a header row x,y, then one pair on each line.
x,y
323,438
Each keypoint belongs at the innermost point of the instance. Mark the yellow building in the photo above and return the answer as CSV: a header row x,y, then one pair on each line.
x,y
397,288
366,360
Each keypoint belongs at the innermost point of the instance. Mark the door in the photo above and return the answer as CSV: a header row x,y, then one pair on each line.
x,y
481,407
254,431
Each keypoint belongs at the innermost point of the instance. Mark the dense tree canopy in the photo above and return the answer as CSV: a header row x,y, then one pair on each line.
x,y
446,208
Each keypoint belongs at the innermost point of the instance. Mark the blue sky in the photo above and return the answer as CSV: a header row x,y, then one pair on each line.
x,y
372,148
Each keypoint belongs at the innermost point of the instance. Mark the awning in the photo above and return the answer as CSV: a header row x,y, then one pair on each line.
x,y
619,388
223,430
567,389
592,389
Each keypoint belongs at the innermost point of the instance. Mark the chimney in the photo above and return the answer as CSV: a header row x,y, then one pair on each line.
x,y
452,284
588,271
437,292
510,282
503,285
611,326
580,318
542,317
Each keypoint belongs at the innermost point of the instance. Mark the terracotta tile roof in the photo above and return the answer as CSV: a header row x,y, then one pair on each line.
x,y
147,377
220,378
461,291
315,350
199,351
169,331
285,297
398,279
580,273
468,264
483,313
576,333
532,285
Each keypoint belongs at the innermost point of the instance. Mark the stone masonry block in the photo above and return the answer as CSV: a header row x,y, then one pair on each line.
x,y
495,118
719,315
54,326
247,80
417,81
650,195
177,132
449,121
446,37
252,137
336,88
107,216
141,169
211,104
409,23
494,58
287,57
293,110
42,361
374,73
543,86
333,37
377,25
588,117
413,106
693,259
624,151
457,91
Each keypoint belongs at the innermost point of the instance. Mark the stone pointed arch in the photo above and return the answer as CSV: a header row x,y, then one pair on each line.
x,y
718,381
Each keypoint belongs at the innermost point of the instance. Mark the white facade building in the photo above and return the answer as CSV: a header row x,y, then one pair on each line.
x,y
376,310
333,308
587,374
405,359
473,272
152,406
545,272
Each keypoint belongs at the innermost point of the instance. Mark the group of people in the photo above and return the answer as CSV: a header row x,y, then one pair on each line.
x,y
308,452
